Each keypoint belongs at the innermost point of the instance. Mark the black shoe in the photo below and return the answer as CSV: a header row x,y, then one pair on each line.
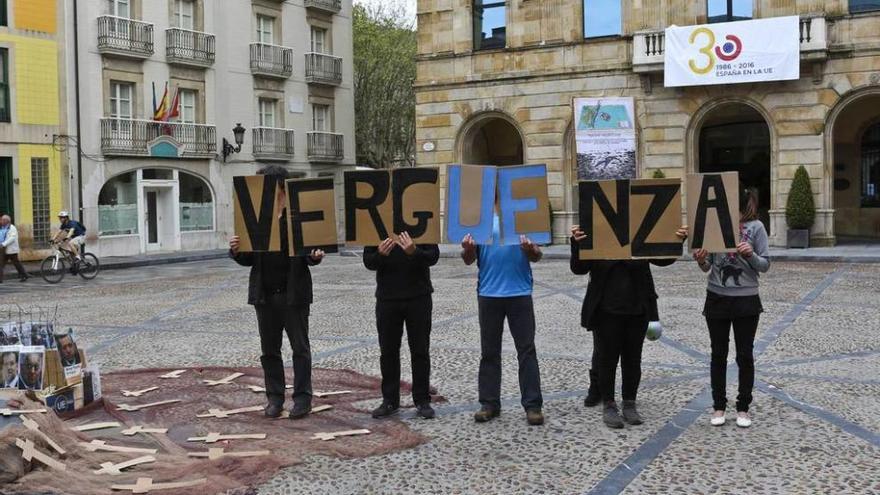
x,y
630,414
425,410
486,413
385,410
611,416
592,399
273,410
299,411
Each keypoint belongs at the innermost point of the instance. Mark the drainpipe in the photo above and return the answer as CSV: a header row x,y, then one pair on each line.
x,y
79,152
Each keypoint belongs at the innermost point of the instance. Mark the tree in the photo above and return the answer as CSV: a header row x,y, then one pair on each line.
x,y
800,211
384,73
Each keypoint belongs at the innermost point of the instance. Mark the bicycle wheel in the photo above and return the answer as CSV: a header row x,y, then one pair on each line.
x,y
52,269
89,266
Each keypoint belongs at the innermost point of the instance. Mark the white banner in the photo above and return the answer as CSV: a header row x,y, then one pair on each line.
x,y
606,138
733,52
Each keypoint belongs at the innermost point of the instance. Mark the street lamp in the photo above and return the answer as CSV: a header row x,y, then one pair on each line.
x,y
228,149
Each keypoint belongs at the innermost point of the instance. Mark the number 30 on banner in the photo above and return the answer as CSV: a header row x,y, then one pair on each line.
x,y
727,52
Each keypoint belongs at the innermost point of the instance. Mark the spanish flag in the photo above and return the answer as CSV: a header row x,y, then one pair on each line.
x,y
160,113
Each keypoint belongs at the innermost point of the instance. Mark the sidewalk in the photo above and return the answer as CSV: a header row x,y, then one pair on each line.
x,y
849,253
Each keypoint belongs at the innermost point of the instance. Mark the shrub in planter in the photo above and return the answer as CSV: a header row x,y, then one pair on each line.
x,y
800,211
658,174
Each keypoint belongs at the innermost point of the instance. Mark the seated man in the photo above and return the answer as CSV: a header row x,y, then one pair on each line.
x,y
72,234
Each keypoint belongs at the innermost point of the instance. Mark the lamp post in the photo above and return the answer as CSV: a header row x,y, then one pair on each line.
x,y
228,149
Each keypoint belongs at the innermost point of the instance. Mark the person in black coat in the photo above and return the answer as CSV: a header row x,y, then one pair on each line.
x,y
619,303
280,289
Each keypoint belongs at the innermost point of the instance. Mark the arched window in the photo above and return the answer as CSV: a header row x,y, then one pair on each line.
x,y
117,206
196,204
870,153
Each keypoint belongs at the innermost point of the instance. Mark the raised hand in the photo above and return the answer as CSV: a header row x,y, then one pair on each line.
x,y
406,243
468,244
577,234
700,255
386,246
234,243
317,255
744,249
682,232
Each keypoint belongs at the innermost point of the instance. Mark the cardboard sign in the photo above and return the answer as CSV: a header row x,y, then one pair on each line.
x,y
713,211
524,203
470,203
256,212
605,219
368,212
311,216
416,203
655,216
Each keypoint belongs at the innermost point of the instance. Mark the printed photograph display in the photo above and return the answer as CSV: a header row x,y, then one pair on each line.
x,y
605,138
9,366
31,367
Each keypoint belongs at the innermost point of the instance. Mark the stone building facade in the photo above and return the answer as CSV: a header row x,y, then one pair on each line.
x,y
496,81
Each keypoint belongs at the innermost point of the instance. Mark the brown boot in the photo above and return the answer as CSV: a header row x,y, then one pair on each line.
x,y
535,417
485,414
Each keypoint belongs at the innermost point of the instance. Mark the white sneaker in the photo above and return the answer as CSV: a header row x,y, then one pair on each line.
x,y
718,418
743,420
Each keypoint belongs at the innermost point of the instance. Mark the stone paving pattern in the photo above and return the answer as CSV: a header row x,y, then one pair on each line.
x,y
816,406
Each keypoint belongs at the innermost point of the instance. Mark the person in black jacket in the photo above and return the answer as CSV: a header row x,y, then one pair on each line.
x,y
403,295
620,302
280,289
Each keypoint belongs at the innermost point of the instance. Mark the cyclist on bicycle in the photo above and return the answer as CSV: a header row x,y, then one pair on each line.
x,y
72,234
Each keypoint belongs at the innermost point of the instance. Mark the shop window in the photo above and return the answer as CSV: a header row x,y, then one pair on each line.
x,y
196,204
870,153
729,10
157,174
40,199
490,24
602,18
117,206
863,5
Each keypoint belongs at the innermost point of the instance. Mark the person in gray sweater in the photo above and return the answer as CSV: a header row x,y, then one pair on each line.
x,y
732,299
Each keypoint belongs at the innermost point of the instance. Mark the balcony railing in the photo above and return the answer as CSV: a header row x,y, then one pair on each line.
x,y
323,69
649,46
325,146
132,137
332,6
125,37
271,143
185,47
271,60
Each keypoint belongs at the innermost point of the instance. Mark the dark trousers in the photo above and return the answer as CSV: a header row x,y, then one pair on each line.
x,y
594,369
744,329
15,262
620,338
520,314
390,319
273,319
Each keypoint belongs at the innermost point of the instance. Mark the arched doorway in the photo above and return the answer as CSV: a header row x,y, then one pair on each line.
x,y
491,139
735,137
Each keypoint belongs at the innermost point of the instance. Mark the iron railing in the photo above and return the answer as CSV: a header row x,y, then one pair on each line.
x,y
126,37
133,136
272,143
325,146
271,60
186,47
323,69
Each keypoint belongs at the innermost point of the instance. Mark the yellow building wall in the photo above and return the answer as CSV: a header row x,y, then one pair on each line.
x,y
36,80
35,15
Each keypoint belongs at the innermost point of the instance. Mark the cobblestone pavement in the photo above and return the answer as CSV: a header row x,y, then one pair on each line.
x,y
817,399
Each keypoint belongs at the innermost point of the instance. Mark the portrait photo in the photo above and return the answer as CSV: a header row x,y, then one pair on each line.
x,y
31,361
9,366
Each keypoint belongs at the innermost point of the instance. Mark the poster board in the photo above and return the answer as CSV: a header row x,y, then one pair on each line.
x,y
605,138
416,203
256,212
368,207
311,216
713,211
524,204
604,217
470,202
655,216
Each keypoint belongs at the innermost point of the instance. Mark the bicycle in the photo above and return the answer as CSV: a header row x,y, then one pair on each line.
x,y
55,266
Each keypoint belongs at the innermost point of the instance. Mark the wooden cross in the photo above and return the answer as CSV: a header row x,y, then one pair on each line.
x,y
138,393
218,453
325,436
9,412
116,469
172,374
325,407
102,446
223,381
97,426
30,453
216,437
328,394
134,430
34,427
219,413
138,407
257,389
144,485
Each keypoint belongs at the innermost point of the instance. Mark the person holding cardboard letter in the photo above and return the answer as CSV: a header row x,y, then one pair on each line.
x,y
280,289
504,290
619,303
403,296
732,299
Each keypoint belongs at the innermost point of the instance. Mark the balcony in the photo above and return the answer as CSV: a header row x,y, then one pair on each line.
x,y
649,46
134,137
323,69
271,60
329,6
271,143
125,37
325,147
189,48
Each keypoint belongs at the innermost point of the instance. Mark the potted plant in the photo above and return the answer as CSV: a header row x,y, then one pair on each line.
x,y
800,211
